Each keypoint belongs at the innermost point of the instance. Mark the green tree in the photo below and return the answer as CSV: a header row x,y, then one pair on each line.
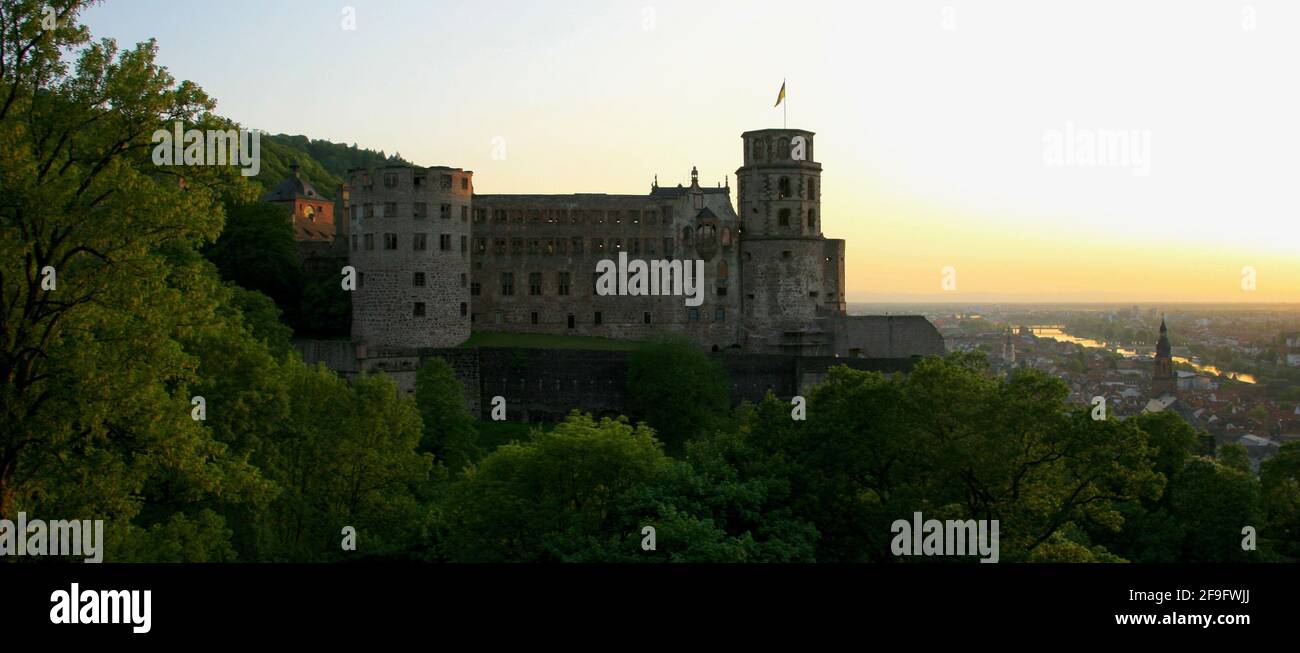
x,y
344,456
677,389
103,296
530,501
1280,484
449,432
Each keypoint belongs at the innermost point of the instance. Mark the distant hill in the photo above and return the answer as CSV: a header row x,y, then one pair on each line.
x,y
320,162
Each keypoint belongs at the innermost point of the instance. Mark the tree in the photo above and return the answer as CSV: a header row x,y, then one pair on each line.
x,y
1280,484
1213,502
344,456
677,389
449,432
256,250
530,501
103,296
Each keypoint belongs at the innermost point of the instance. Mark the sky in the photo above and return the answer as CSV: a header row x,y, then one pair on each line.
x,y
961,141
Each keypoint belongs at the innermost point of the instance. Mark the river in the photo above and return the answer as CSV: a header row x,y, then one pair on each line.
x,y
1059,334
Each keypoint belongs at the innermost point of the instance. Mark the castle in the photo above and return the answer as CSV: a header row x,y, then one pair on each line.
x,y
435,261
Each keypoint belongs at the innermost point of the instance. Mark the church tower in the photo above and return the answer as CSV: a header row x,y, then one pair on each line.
x,y
1162,380
792,276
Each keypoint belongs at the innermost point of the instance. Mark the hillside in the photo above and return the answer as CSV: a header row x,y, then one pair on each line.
x,y
321,162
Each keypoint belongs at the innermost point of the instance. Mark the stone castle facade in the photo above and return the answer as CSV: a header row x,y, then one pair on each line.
x,y
434,261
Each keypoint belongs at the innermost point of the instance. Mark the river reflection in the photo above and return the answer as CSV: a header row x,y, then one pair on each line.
x,y
1058,334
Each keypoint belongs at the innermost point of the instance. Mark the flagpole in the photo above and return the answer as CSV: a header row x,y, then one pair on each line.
x,y
785,105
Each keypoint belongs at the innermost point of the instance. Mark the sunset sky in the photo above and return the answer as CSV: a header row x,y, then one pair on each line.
x,y
931,119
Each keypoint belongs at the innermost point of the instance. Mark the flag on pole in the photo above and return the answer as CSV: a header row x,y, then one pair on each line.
x,y
780,97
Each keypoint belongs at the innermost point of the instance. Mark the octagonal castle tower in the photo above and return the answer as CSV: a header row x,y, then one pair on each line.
x,y
792,276
409,231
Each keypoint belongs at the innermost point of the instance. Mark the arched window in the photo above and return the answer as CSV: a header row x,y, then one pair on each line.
x,y
812,219
722,269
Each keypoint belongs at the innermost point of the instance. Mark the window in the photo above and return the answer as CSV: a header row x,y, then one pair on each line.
x,y
464,214
645,317
650,246
812,189
548,247
572,321
475,289
365,182
597,245
421,210
534,283
720,314
577,245
783,188
564,283
368,210
693,315
464,244
464,309
812,219
616,217
699,200
417,279
499,246
390,180
464,183
595,283
361,279
561,246
722,269
534,246
783,217
618,244
444,211
722,291
353,210
446,182
726,236
421,242
390,209
354,242
516,246
480,245
686,236
390,241
419,180
668,248
785,254
444,242
499,215
597,319
634,246
480,215
418,311
464,279
507,283
370,241
533,317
